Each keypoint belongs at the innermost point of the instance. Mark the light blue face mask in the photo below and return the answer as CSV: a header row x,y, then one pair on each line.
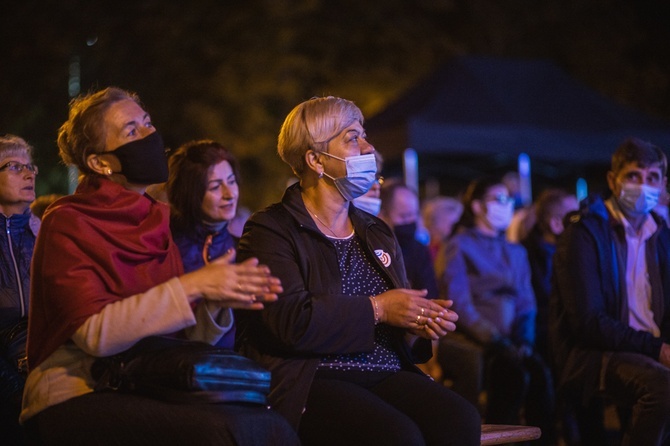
x,y
361,172
638,199
371,205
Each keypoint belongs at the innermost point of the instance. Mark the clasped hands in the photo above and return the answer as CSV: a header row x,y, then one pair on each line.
x,y
407,308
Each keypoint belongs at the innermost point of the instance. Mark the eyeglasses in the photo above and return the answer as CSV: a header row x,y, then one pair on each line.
x,y
16,167
501,198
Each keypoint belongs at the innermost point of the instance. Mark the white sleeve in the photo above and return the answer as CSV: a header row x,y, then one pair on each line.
x,y
214,321
160,310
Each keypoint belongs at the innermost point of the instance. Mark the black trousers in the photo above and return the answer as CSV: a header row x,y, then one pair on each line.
x,y
405,409
12,380
109,418
462,361
640,382
515,383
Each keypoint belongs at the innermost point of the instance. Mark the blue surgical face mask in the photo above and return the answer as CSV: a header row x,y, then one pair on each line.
x,y
371,205
360,177
638,199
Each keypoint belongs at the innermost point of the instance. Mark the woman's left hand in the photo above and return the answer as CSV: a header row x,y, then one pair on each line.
x,y
246,285
438,327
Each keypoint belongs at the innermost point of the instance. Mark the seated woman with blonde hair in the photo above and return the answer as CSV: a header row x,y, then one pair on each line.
x,y
343,337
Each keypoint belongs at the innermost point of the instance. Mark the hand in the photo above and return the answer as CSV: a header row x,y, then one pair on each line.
x,y
448,320
245,285
408,308
441,325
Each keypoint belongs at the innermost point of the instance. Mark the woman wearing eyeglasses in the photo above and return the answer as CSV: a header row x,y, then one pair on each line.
x,y
488,278
17,240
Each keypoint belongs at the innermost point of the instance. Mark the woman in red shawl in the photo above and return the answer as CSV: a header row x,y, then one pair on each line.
x,y
106,274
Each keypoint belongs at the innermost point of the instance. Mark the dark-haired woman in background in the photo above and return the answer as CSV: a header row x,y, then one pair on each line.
x,y
203,192
488,278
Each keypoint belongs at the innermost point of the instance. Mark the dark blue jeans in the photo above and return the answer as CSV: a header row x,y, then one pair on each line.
x,y
640,382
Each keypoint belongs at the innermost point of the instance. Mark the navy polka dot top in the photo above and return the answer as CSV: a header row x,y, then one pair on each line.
x,y
361,277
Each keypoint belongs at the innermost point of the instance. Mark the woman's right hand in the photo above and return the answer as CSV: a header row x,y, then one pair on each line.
x,y
406,308
245,285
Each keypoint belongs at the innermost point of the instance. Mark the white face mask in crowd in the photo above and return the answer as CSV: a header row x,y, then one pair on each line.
x,y
638,199
499,215
361,175
371,205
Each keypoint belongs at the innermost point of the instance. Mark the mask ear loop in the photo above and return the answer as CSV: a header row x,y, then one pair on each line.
x,y
316,154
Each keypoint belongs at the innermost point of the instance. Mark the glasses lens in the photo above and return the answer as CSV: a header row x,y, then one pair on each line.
x,y
17,167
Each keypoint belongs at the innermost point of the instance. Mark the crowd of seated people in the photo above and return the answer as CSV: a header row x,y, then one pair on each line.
x,y
381,321
496,346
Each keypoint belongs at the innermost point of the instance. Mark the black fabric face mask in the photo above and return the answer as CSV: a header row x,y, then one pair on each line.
x,y
407,230
143,161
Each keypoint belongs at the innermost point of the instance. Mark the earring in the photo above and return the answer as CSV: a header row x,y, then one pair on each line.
x,y
320,174
108,171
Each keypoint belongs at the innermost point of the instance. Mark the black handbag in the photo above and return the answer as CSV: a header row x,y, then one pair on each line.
x,y
180,370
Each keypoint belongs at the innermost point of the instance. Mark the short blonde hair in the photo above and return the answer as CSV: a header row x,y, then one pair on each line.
x,y
311,125
12,145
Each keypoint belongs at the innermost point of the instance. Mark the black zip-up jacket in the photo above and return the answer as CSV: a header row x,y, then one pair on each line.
x,y
588,305
311,317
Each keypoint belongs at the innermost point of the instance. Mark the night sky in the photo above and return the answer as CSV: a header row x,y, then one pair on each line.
x,y
231,71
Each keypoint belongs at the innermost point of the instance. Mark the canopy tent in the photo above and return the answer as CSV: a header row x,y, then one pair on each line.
x,y
477,106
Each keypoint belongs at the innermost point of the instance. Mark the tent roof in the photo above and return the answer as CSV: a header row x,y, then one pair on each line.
x,y
486,105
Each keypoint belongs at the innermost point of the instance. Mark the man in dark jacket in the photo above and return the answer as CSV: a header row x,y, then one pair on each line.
x,y
610,305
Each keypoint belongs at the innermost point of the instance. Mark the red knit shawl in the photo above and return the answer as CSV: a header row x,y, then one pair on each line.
x,y
100,245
